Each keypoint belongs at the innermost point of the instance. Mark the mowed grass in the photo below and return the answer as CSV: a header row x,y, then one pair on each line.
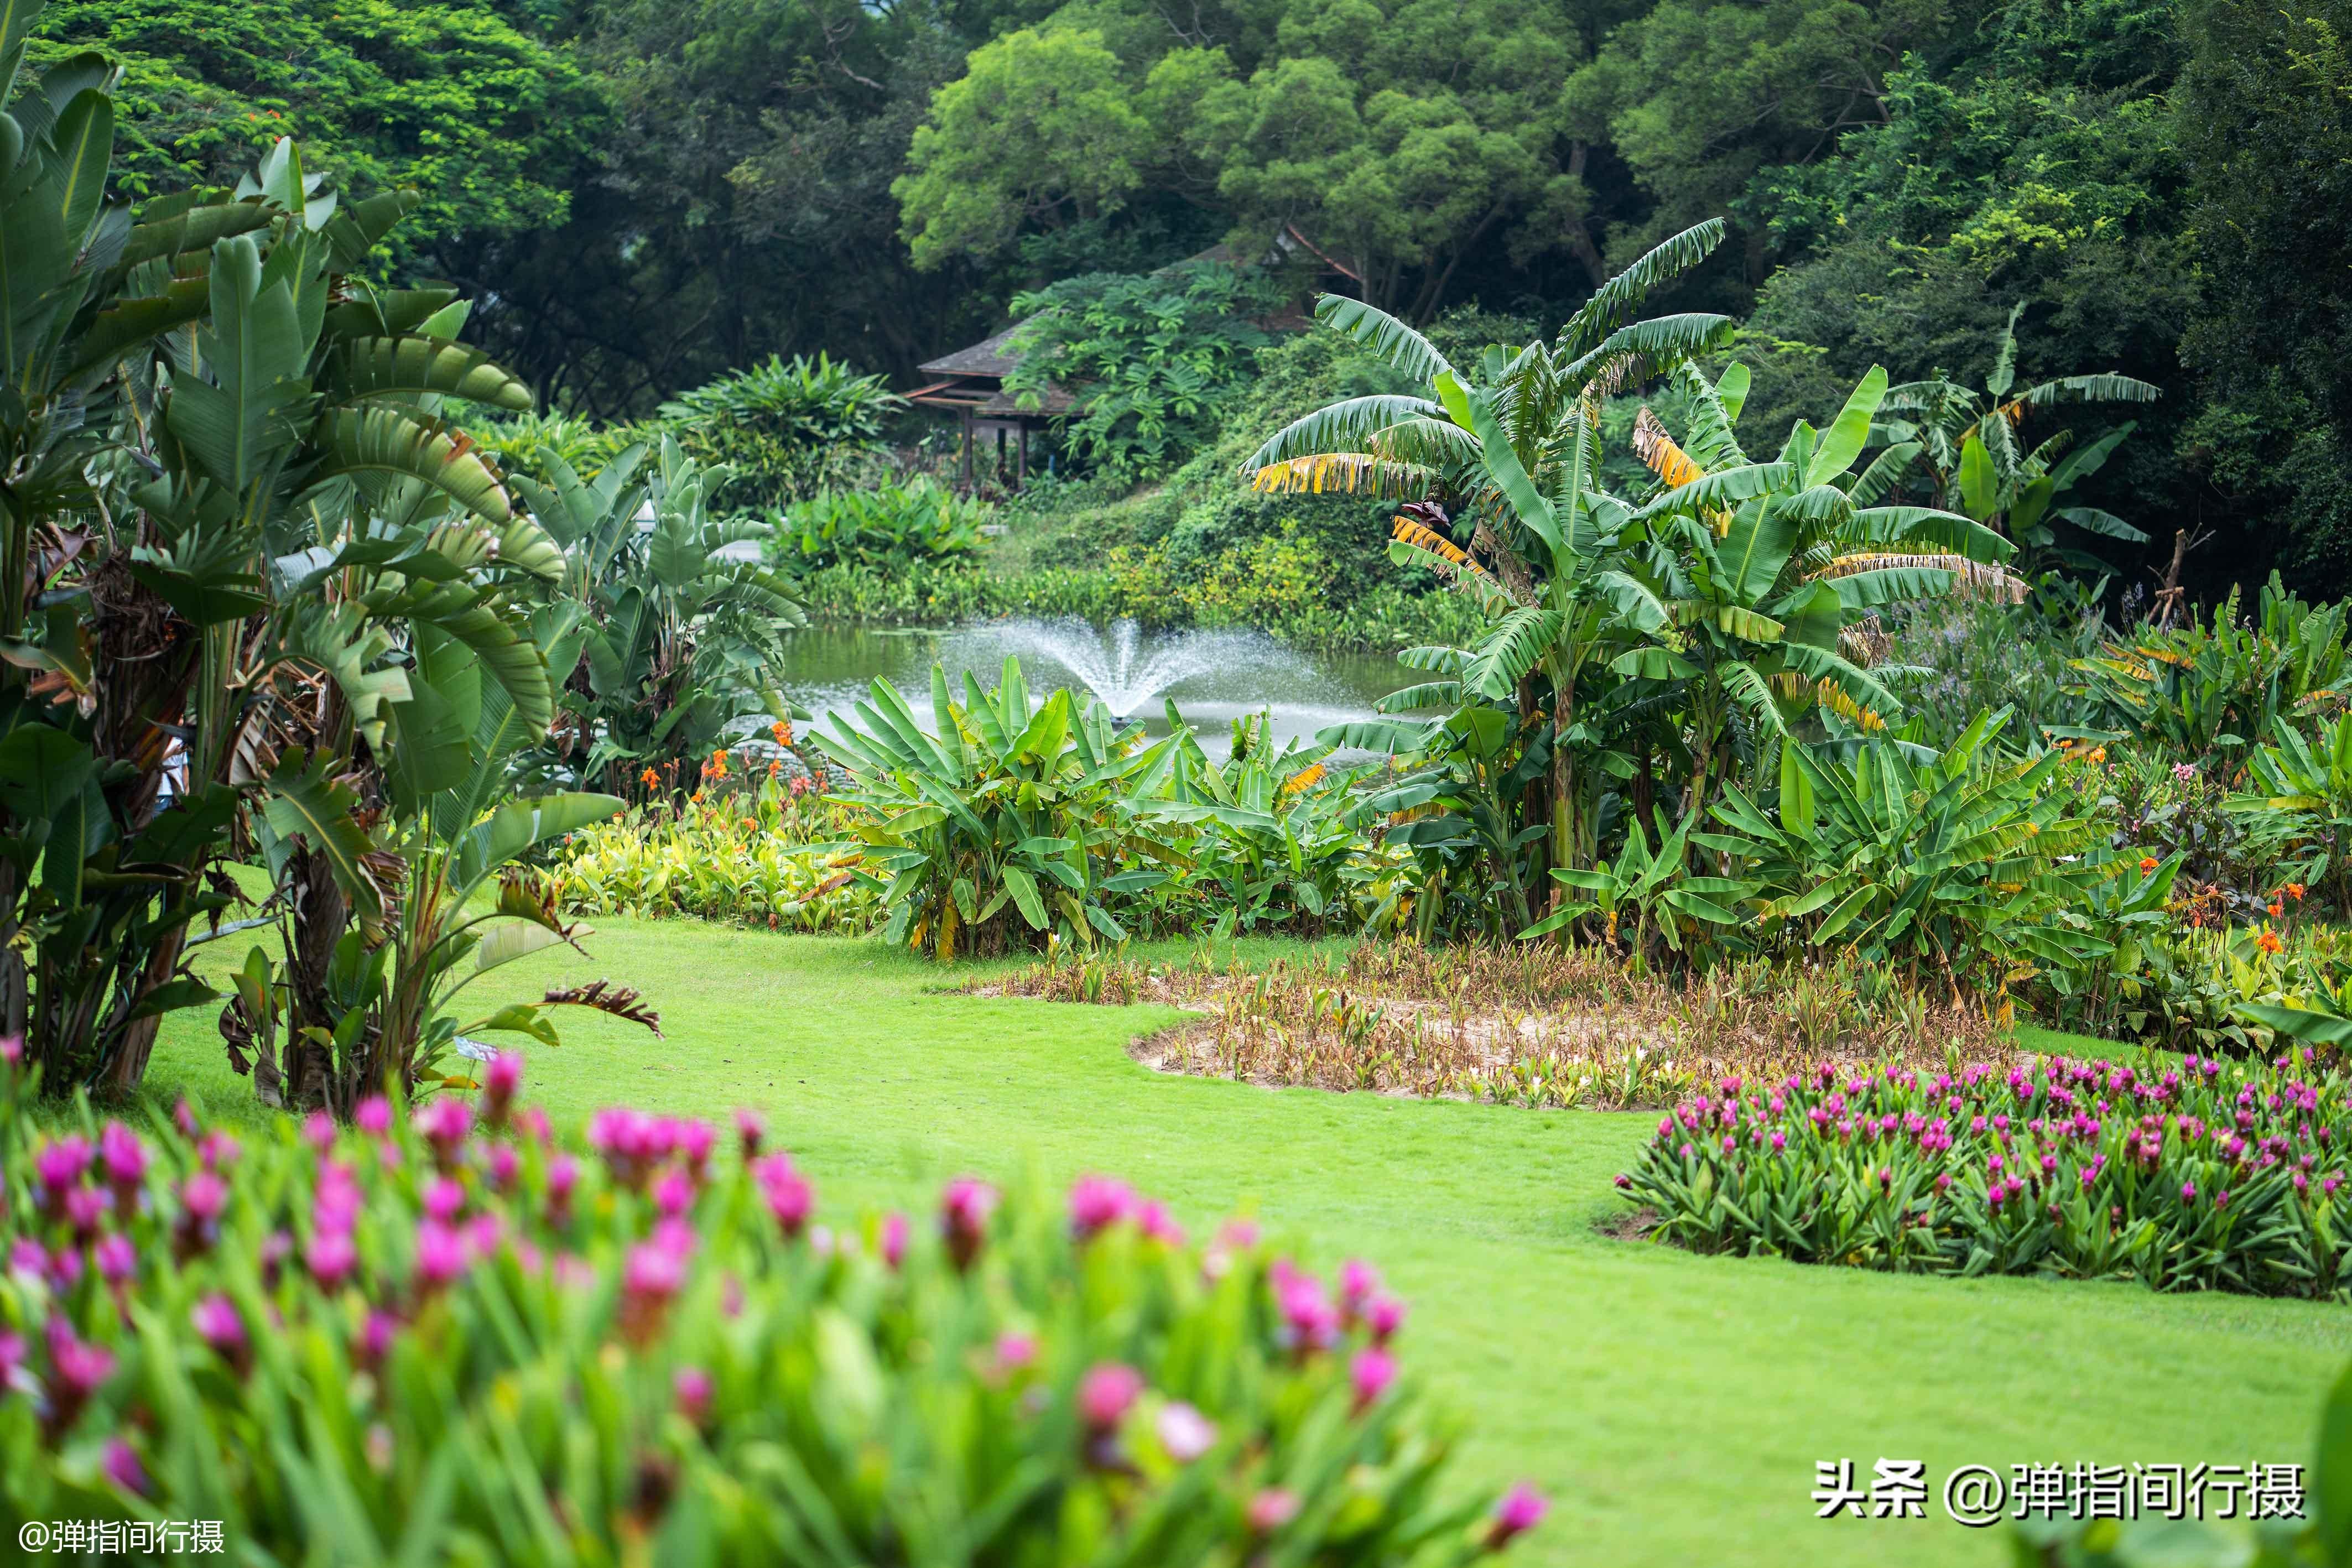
x,y
1673,1405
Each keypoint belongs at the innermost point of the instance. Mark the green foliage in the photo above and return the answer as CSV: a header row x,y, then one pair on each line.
x,y
2222,685
1006,823
669,627
882,529
1976,1172
2266,139
1151,363
2301,800
1946,864
745,857
667,1347
486,119
783,429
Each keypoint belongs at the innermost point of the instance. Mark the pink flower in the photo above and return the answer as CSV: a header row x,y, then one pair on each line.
x,y
1312,1322
1106,1393
965,1209
504,1166
695,1141
563,1173
1370,1373
1097,1203
1271,1510
692,1387
12,1048
60,1165
1385,1317
124,1157
1154,1220
445,1198
1185,1433
1520,1510
330,1257
444,1124
1014,1352
440,1254
375,1338
319,1132
501,1081
750,1132
655,1272
894,1238
374,1116
674,1193
1358,1280
116,1258
122,1467
219,1325
790,1196
77,1370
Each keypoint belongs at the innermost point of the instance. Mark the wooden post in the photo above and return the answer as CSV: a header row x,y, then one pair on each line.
x,y
1022,483
967,448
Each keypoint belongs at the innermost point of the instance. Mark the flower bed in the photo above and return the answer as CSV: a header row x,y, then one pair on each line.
x,y
450,1338
2209,1176
753,857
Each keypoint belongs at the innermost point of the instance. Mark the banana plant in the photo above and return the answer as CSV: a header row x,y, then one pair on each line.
x,y
1966,440
1270,848
450,842
1506,457
1462,766
190,389
1004,810
1746,578
679,622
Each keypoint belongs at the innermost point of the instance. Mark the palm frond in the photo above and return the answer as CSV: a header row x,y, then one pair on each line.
x,y
1346,426
1616,300
1712,444
1343,474
1383,333
2089,388
1656,448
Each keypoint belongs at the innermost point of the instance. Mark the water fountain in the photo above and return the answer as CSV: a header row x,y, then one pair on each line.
x,y
1214,676
1113,666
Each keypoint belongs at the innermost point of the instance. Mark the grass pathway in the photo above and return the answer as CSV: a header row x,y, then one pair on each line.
x,y
1673,1405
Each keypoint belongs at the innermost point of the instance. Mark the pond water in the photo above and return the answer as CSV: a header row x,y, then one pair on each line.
x,y
1214,677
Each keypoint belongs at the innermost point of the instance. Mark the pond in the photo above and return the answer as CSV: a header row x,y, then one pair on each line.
x,y
1214,677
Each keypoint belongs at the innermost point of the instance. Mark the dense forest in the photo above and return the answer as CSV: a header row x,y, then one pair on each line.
x,y
646,194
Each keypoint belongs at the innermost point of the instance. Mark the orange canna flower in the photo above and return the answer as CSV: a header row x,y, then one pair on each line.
x,y
649,778
2278,910
697,797
774,768
2146,864
2295,890
2268,941
783,730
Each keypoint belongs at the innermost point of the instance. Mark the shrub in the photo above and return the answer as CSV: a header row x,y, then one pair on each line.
x,y
786,428
755,859
446,1338
886,528
1153,360
2210,1176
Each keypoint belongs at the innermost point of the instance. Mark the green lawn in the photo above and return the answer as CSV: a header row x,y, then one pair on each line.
x,y
1673,1405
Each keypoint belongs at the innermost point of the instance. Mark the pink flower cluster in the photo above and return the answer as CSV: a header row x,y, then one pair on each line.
x,y
2091,1148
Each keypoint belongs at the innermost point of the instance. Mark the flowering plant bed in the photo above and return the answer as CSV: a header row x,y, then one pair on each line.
x,y
2209,1176
446,1338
